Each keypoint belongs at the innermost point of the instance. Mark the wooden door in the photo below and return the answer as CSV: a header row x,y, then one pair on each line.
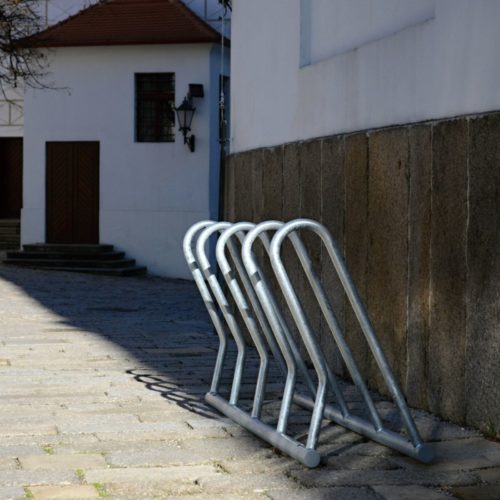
x,y
11,178
72,206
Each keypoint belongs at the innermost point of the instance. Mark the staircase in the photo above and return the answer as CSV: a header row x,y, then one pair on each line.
x,y
94,259
9,234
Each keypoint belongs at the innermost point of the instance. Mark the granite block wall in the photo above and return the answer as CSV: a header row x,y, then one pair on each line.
x,y
416,210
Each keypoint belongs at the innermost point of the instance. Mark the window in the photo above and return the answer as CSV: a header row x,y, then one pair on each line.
x,y
155,103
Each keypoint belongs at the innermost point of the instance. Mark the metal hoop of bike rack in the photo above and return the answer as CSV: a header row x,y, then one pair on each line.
x,y
269,331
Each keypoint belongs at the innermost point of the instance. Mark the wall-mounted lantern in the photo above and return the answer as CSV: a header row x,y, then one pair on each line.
x,y
185,113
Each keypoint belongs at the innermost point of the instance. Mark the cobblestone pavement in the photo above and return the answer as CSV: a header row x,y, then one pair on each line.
x,y
102,383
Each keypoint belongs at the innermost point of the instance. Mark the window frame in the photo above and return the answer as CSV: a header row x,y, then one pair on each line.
x,y
154,90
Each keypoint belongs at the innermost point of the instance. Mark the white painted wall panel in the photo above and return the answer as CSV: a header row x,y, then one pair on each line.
x,y
429,60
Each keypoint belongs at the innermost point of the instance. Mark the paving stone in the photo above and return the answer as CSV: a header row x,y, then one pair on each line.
x,y
22,429
207,423
164,433
410,493
184,452
221,496
62,462
432,428
12,492
340,493
18,450
326,477
156,490
481,452
63,492
358,462
369,448
236,483
173,475
22,477
40,441
479,492
266,461
489,475
7,464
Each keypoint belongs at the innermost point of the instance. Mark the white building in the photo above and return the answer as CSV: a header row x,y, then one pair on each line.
x,y
104,159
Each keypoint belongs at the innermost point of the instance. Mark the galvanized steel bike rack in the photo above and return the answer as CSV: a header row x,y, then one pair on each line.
x,y
269,332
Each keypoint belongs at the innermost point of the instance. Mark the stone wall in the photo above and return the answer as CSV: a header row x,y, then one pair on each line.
x,y
416,209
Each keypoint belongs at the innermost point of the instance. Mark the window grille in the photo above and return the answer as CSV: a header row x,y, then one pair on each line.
x,y
155,103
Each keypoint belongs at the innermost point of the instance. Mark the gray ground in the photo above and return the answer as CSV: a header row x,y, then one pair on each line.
x,y
102,383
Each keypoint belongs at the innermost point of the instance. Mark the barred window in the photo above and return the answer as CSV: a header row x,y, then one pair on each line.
x,y
154,107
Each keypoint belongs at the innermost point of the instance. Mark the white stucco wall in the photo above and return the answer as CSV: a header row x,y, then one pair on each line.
x,y
150,193
310,68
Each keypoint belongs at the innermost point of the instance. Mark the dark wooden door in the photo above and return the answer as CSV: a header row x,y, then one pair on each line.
x,y
11,178
72,192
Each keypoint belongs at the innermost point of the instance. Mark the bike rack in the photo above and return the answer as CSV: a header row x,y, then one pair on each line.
x,y
270,334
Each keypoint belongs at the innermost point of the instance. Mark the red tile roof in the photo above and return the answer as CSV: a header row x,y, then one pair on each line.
x,y
128,22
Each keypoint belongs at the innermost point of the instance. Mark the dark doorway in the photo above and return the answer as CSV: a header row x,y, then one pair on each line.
x,y
72,192
11,178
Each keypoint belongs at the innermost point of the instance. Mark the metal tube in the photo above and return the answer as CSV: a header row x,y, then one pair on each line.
x,y
331,320
363,320
421,452
267,299
243,307
224,306
308,457
306,334
257,308
207,299
277,323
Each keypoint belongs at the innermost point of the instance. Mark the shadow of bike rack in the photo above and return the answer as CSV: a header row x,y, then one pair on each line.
x,y
268,331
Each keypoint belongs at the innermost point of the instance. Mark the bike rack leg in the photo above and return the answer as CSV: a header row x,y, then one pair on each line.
x,y
418,449
207,298
232,283
223,304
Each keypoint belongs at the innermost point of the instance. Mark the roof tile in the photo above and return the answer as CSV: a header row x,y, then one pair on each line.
x,y
128,22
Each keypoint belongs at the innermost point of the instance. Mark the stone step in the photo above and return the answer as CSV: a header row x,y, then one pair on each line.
x,y
104,256
63,248
9,245
71,263
95,259
120,271
10,230
10,223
